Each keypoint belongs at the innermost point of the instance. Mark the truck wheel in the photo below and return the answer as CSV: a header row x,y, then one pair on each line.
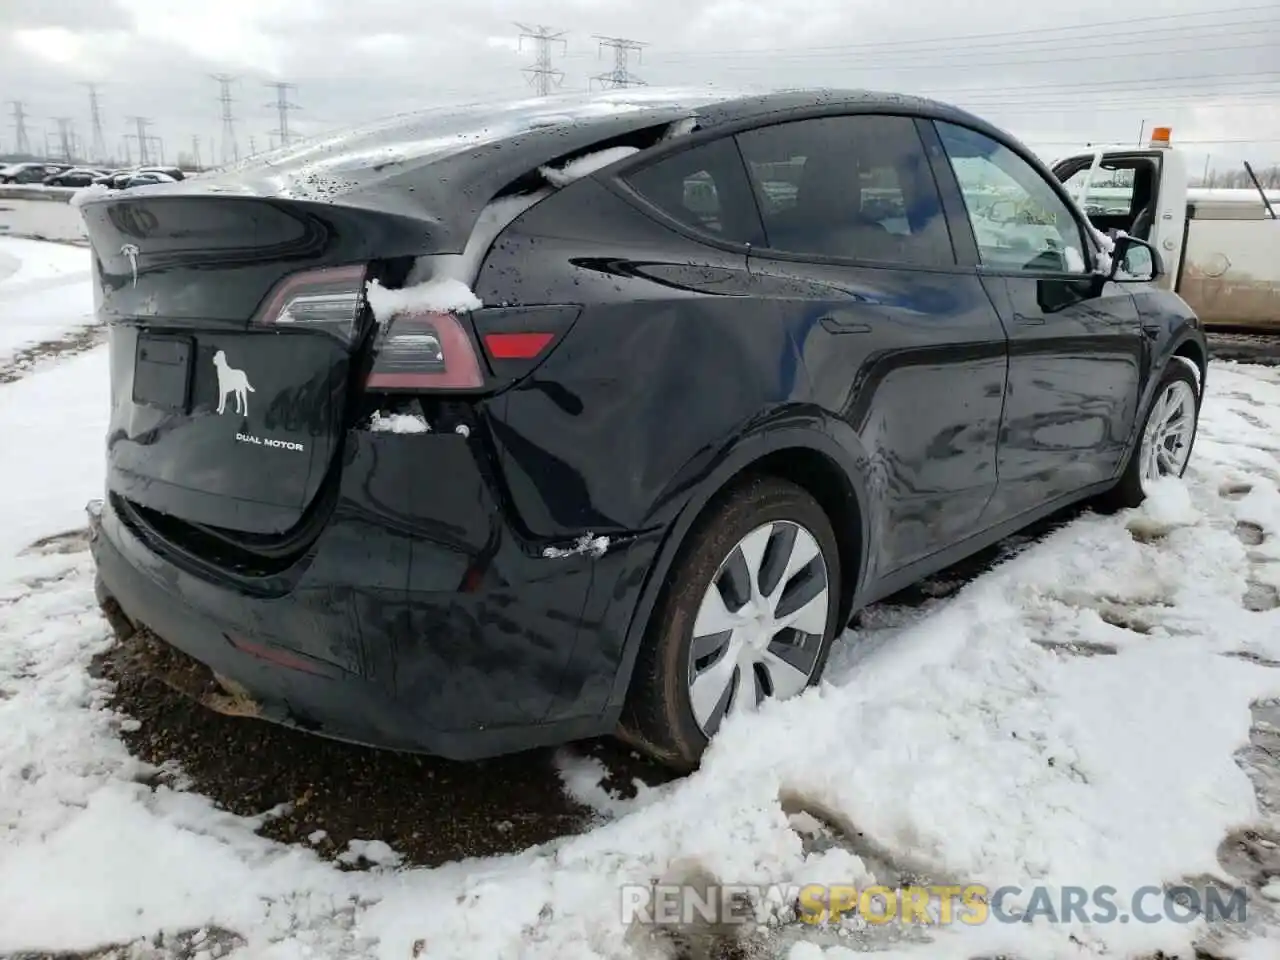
x,y
1168,433
748,613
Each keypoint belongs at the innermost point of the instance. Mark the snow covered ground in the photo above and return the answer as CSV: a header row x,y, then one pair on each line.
x,y
46,294
1081,715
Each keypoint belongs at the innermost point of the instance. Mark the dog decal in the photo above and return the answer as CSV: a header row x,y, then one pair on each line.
x,y
231,381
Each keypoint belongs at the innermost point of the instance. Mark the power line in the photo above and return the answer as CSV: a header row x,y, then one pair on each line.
x,y
98,149
283,106
66,137
22,146
230,148
620,75
542,75
141,124
952,39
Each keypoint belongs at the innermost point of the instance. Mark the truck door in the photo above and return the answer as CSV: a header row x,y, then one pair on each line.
x,y
1142,192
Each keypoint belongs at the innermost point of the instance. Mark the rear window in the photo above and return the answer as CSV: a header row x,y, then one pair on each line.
x,y
704,187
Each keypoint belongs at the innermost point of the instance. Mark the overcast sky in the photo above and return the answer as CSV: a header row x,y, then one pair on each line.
x,y
1056,75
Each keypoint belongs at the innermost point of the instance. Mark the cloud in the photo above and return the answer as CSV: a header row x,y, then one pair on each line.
x,y
72,14
1054,77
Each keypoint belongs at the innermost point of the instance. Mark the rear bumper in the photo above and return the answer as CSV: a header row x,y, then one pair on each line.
x,y
395,640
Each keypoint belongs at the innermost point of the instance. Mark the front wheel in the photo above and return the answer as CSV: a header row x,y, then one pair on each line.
x,y
1168,434
748,614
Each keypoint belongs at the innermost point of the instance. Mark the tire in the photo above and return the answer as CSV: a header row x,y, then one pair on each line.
x,y
1129,490
660,716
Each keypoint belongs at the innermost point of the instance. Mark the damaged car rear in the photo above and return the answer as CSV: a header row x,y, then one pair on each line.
x,y
329,477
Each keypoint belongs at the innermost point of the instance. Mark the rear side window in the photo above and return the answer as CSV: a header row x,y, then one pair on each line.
x,y
858,188
704,187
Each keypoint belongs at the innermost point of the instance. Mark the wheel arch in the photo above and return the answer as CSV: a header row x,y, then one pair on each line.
x,y
809,455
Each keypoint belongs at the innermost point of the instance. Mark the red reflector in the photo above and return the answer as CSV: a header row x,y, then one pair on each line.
x,y
279,657
516,346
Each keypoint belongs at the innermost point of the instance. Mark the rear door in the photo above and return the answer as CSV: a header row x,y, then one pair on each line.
x,y
1077,355
897,338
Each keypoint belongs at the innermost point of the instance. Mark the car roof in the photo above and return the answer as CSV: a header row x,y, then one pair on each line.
x,y
443,165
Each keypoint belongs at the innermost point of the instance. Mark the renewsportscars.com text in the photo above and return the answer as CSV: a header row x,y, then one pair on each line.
x,y
941,904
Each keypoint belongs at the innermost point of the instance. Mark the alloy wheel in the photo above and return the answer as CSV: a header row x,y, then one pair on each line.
x,y
759,628
1166,441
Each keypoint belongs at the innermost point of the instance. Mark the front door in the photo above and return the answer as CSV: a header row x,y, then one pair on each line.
x,y
1077,355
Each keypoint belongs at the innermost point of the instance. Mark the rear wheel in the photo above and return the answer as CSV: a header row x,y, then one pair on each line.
x,y
1168,433
747,614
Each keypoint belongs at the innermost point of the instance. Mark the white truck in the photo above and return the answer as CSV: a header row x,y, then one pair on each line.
x,y
1220,248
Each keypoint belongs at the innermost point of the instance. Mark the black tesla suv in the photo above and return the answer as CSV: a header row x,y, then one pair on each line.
x,y
501,426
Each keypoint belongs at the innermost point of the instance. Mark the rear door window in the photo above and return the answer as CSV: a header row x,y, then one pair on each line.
x,y
704,187
853,187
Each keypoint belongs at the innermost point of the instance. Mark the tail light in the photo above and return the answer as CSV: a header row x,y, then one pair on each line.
x,y
330,299
425,351
434,351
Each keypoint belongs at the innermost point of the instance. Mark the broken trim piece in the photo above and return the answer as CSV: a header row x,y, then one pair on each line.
x,y
585,545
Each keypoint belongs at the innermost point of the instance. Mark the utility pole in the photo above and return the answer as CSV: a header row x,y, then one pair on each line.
x,y
283,106
195,151
542,75
253,147
230,148
22,146
620,75
66,137
98,152
141,136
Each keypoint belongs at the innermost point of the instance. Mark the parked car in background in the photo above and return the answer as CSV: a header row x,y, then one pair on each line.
x,y
73,177
601,413
174,173
32,172
144,177
135,176
114,178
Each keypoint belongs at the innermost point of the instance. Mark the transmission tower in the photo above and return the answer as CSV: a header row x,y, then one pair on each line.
x,y
141,136
98,150
230,148
620,75
66,138
253,146
195,150
542,75
22,146
283,106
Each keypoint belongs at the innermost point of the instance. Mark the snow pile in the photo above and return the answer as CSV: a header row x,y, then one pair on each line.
x,y
584,777
442,282
398,423
464,267
681,128
85,194
444,295
375,852
585,165
1106,249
